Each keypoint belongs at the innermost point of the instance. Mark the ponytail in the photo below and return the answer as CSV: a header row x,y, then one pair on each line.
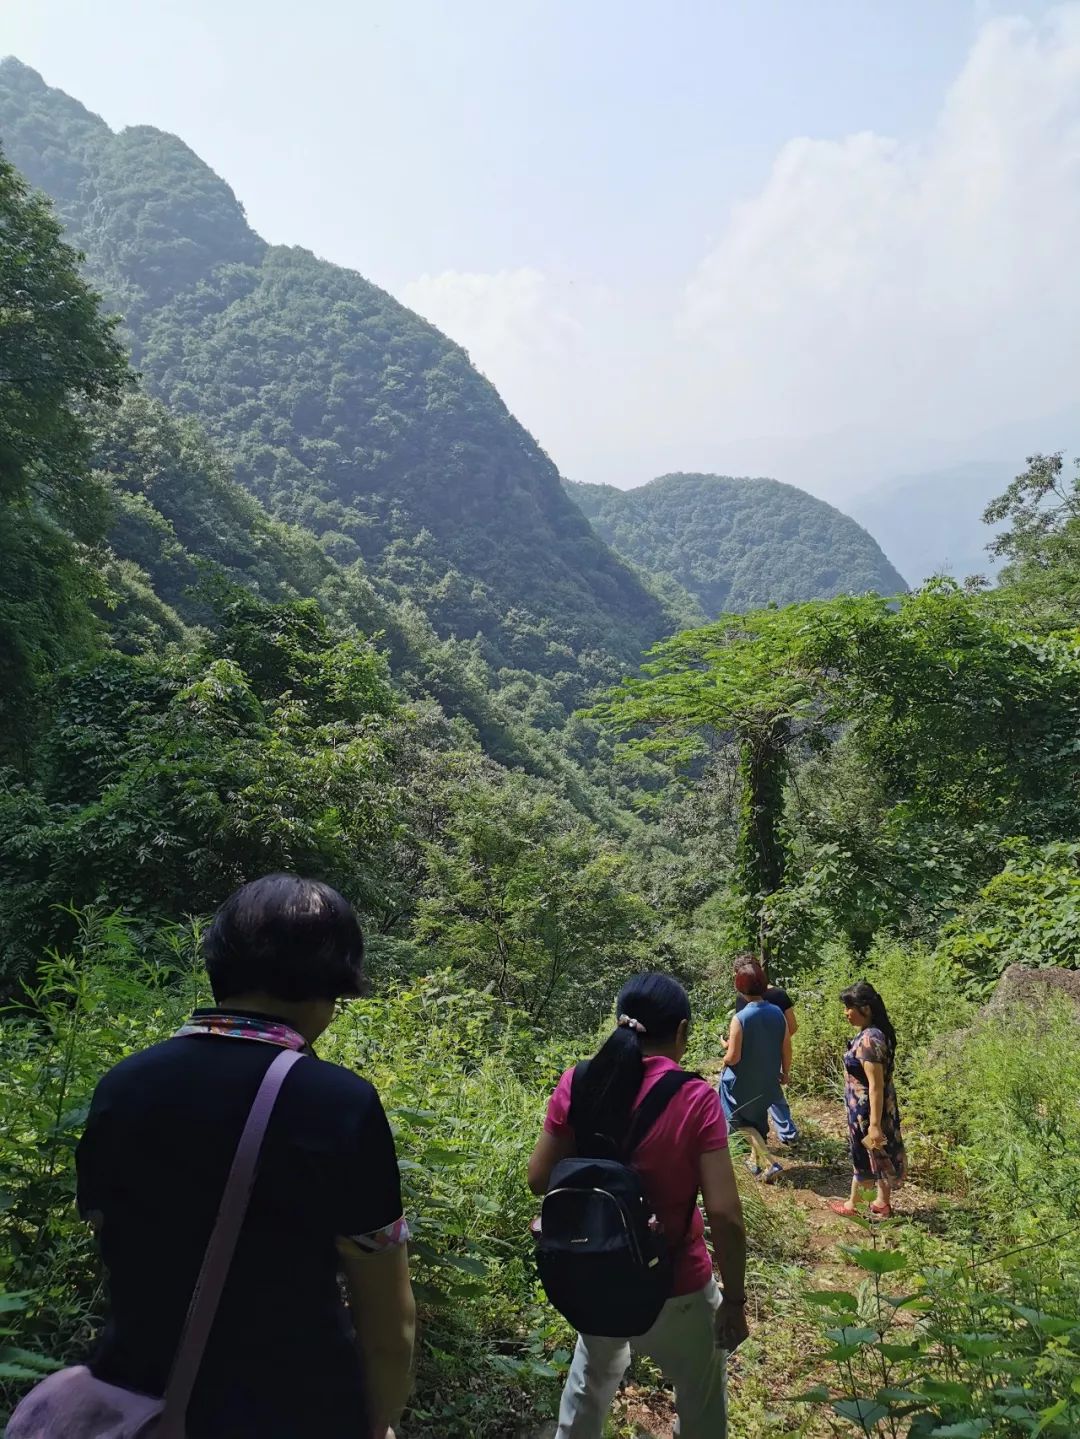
x,y
650,1008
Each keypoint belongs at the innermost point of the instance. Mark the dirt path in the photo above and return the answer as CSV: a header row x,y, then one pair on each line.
x,y
778,1360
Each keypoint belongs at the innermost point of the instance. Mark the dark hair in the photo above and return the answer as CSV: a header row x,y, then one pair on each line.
x,y
864,996
657,1004
293,938
750,977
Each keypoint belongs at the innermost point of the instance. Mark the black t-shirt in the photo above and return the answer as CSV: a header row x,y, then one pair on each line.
x,y
161,1134
773,995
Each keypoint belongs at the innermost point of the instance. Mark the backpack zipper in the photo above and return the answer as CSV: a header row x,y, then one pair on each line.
x,y
631,1238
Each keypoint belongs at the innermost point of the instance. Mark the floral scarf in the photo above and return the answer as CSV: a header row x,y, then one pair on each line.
x,y
243,1026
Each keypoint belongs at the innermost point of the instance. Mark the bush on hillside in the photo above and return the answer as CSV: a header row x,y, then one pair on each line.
x,y
921,993
1028,914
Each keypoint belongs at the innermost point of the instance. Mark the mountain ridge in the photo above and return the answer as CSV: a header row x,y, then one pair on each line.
x,y
338,408
736,543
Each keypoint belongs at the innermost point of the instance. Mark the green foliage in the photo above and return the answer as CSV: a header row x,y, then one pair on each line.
x,y
87,1009
525,900
58,349
860,864
167,782
966,714
958,1352
1027,914
738,544
1041,509
48,588
58,353
750,680
999,1103
959,727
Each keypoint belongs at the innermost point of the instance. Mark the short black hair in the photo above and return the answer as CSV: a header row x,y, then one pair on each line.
x,y
290,937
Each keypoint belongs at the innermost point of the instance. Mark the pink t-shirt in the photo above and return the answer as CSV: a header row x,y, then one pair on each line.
x,y
668,1160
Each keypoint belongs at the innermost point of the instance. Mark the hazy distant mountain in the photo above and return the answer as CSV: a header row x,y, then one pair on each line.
x,y
734,544
932,523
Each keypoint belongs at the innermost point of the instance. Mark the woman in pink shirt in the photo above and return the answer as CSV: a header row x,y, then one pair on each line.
x,y
684,1152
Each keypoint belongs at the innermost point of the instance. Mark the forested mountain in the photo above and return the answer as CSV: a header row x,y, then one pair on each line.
x,y
180,530
734,544
339,409
194,692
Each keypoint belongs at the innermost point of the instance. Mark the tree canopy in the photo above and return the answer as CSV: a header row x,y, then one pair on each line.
x,y
967,722
58,353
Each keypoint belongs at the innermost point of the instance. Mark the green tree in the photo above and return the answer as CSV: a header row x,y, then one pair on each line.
x,y
167,781
964,726
529,902
56,350
1041,542
1027,914
57,354
965,713
754,682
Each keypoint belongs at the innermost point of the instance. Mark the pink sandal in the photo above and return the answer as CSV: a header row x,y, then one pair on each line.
x,y
842,1206
880,1211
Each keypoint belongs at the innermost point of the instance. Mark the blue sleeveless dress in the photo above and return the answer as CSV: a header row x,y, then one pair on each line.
x,y
749,1087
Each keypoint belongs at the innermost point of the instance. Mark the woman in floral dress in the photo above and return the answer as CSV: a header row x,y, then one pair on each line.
x,y
873,1116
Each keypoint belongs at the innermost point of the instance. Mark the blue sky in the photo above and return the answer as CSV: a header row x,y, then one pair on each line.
x,y
737,236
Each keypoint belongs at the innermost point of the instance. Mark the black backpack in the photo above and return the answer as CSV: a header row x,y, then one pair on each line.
x,y
604,1266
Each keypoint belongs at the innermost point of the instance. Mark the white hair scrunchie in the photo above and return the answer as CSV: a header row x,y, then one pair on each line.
x,y
625,1022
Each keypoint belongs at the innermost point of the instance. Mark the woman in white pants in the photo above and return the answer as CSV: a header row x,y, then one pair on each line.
x,y
684,1152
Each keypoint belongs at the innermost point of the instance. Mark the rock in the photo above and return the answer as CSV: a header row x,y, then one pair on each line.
x,y
1025,989
1021,990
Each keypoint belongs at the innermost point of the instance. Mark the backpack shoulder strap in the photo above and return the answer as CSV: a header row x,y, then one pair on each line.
x,y
654,1104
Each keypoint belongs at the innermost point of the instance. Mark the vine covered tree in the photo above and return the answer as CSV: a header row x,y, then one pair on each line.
x,y
756,682
967,723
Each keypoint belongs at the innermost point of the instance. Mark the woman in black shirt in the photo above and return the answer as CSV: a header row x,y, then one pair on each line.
x,y
283,1360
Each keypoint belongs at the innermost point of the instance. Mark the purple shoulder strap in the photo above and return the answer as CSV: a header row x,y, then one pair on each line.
x,y
219,1251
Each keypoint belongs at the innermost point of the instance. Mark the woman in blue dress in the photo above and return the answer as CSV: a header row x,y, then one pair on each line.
x,y
756,1065
873,1115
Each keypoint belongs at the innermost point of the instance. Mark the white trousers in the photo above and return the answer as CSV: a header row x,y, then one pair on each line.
x,y
681,1344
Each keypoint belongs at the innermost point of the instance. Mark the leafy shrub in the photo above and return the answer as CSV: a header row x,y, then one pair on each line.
x,y
921,992
86,1010
958,1351
1001,1102
1028,914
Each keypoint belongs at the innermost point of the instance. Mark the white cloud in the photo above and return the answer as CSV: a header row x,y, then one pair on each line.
x,y
898,290
930,284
